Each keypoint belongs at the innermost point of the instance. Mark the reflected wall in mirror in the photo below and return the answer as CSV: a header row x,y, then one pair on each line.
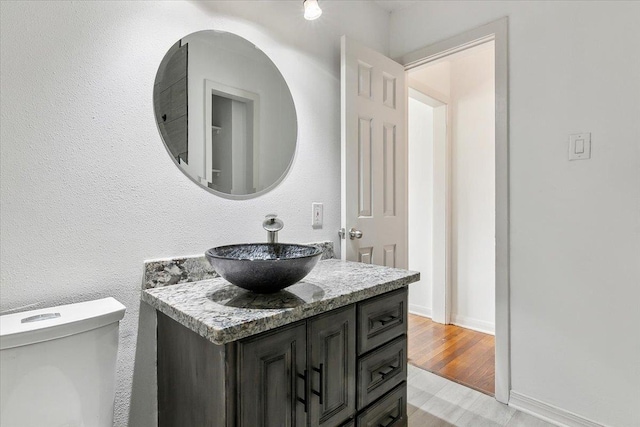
x,y
225,114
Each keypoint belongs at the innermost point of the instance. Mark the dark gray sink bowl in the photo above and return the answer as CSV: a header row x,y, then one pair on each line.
x,y
264,268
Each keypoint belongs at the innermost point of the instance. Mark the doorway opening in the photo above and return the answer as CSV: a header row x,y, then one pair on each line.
x,y
451,216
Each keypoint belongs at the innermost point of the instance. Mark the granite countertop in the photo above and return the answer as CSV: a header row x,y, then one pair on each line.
x,y
222,313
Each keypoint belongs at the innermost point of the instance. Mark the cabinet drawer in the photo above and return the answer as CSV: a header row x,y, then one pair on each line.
x,y
381,319
390,411
381,370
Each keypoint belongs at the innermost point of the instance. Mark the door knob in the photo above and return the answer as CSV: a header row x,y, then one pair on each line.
x,y
355,234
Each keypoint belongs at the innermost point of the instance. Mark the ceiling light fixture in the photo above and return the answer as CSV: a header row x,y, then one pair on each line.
x,y
311,9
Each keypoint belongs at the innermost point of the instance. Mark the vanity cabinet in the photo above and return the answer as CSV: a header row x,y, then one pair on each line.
x,y
343,367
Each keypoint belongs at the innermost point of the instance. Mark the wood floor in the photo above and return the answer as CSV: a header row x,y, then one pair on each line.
x,y
458,354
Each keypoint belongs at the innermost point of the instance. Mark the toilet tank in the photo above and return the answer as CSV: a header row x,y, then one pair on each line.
x,y
57,365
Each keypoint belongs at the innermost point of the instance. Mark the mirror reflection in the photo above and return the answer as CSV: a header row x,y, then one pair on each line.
x,y
225,114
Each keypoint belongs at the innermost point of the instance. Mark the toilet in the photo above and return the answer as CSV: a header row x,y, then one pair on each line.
x,y
58,365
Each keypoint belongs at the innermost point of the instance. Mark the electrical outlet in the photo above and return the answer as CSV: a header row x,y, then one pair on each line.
x,y
316,215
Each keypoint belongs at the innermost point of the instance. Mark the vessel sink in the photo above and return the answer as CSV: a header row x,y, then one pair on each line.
x,y
264,268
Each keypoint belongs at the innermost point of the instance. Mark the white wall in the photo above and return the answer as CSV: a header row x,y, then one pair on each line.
x,y
420,204
437,76
89,192
574,226
473,273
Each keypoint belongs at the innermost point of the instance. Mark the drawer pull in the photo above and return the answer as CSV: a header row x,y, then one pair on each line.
x,y
387,319
306,392
390,422
320,393
388,370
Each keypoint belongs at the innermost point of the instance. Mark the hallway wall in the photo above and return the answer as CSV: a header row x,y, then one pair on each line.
x,y
420,204
473,189
574,225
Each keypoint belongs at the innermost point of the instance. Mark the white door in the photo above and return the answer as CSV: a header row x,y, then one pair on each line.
x,y
374,157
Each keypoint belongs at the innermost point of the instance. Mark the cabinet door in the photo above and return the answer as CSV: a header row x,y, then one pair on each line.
x,y
332,365
271,372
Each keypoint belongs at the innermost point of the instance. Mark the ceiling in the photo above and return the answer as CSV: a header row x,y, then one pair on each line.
x,y
393,5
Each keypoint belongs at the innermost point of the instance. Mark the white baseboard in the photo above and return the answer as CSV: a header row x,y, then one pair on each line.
x,y
547,412
420,310
474,324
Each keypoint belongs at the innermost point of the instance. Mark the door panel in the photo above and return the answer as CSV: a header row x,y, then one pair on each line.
x,y
373,156
389,150
270,371
365,190
365,255
332,366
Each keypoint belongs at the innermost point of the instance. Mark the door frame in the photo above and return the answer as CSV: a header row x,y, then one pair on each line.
x,y
212,87
496,31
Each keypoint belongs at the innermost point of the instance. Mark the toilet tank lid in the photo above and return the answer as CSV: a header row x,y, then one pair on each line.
x,y
30,327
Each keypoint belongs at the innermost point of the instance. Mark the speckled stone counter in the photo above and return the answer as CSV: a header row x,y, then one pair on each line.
x,y
222,313
169,272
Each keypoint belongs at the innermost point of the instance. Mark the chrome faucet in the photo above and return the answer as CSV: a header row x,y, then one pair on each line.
x,y
272,224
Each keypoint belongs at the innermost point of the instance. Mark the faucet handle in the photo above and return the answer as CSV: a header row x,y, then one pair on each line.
x,y
272,223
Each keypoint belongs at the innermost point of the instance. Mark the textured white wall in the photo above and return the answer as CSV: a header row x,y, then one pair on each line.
x,y
89,192
575,226
420,204
473,272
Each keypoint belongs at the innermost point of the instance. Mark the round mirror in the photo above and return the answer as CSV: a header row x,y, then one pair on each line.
x,y
225,114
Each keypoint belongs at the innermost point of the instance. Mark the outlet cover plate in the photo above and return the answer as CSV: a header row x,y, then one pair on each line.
x,y
580,146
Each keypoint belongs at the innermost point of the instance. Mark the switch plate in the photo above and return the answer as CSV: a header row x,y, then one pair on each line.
x,y
316,215
580,146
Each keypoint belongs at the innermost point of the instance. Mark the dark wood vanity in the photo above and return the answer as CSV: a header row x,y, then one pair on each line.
x,y
344,367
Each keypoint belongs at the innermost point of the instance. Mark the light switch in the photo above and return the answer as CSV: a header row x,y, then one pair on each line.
x,y
580,146
316,215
